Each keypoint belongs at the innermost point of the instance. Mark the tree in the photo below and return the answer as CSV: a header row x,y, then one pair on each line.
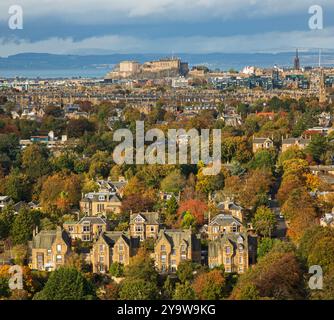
x,y
185,271
264,246
6,221
35,161
138,289
76,128
195,207
188,221
66,284
264,221
263,159
184,291
17,186
116,269
174,182
268,279
23,226
209,285
317,147
61,191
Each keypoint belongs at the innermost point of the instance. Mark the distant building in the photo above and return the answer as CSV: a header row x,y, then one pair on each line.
x,y
262,143
4,201
296,62
300,143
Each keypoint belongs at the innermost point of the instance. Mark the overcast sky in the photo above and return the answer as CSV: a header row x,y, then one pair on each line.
x,y
164,26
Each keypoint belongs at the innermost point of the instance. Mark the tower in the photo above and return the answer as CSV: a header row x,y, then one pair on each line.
x,y
297,61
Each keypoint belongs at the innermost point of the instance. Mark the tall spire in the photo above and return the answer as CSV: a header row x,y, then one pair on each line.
x,y
297,61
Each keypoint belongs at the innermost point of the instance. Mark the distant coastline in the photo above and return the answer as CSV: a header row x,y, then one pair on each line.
x,y
50,66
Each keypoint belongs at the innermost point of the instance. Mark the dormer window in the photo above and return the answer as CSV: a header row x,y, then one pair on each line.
x,y
234,227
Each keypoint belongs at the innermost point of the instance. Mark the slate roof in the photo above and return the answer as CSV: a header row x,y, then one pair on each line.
x,y
149,217
224,220
176,236
45,239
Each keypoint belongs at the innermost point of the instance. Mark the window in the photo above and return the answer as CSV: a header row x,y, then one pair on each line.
x,y
228,260
163,248
101,247
58,248
227,250
101,198
215,229
241,260
49,252
139,228
58,258
70,229
121,258
86,228
152,228
101,259
234,228
120,247
163,258
241,269
241,249
101,267
86,237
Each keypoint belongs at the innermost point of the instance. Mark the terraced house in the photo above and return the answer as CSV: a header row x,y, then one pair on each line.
x,y
174,246
114,246
144,225
49,249
100,203
87,229
230,250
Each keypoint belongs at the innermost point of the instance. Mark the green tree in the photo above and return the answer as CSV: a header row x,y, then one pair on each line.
x,y
264,221
138,289
185,271
23,226
174,182
184,291
116,269
66,284
35,161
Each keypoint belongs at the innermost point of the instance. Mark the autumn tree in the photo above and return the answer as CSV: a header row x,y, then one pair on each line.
x,y
267,279
35,161
195,207
61,191
209,285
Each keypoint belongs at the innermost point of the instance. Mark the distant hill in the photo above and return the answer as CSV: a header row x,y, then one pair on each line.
x,y
44,61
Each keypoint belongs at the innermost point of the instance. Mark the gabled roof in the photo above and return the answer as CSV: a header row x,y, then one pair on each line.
x,y
147,217
177,237
88,219
261,140
45,239
224,220
111,237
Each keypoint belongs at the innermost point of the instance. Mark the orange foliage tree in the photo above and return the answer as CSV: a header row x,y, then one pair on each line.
x,y
195,207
